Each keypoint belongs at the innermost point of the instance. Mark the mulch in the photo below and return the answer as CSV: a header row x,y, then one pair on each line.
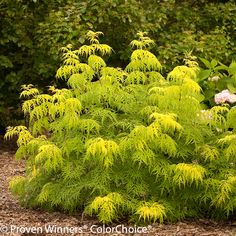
x,y
13,215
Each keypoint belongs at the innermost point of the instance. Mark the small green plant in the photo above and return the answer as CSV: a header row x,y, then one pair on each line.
x,y
130,142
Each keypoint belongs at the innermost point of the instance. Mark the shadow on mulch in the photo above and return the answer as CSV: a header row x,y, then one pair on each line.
x,y
8,145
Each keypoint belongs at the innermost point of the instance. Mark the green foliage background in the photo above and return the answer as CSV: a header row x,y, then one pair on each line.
x,y
32,32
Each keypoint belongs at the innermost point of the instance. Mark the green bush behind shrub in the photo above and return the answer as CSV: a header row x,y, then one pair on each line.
x,y
33,31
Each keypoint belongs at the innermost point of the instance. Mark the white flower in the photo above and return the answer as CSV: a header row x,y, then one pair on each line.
x,y
214,78
225,96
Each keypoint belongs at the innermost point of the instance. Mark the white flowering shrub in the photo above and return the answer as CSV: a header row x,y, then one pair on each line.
x,y
218,82
225,96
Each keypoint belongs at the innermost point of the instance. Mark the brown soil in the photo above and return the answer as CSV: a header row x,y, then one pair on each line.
x,y
13,215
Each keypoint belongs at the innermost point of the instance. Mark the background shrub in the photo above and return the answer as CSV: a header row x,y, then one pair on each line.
x,y
33,31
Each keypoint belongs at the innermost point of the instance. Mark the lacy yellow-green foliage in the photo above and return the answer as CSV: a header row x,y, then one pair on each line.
x,y
106,207
230,142
96,62
167,122
24,136
152,211
188,173
126,142
225,193
231,117
207,152
106,150
29,90
49,157
142,42
143,60
181,73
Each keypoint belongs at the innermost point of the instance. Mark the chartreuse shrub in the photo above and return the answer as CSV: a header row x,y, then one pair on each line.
x,y
126,143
